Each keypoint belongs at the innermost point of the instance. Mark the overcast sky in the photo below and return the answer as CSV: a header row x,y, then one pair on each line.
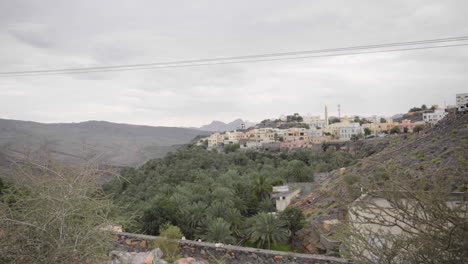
x,y
66,34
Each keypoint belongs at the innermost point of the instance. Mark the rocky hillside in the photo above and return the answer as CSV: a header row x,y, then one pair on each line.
x,y
434,152
115,144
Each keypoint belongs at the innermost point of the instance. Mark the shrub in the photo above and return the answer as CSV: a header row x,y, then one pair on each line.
x,y
395,130
168,243
54,214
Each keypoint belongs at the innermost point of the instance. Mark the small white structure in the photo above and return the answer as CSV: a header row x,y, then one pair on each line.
x,y
283,196
284,188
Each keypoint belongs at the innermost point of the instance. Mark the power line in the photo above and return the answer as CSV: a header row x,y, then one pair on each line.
x,y
249,58
430,41
244,61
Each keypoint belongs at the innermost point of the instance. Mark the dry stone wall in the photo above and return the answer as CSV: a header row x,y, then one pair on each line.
x,y
217,253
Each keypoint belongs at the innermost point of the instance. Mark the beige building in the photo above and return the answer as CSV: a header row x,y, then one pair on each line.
x,y
296,134
215,139
374,128
388,125
265,135
232,137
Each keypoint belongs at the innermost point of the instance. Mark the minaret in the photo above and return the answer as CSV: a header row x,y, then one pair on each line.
x,y
339,112
326,116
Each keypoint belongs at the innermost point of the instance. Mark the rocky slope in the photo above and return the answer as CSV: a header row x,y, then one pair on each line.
x,y
440,150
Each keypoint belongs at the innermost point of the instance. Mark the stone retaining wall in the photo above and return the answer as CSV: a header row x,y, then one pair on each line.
x,y
215,253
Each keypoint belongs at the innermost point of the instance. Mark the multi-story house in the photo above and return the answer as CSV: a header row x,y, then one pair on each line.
x,y
215,140
265,135
351,130
296,134
232,137
251,143
435,117
375,128
462,102
345,129
249,134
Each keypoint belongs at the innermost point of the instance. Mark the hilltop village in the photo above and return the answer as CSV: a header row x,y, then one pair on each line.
x,y
298,132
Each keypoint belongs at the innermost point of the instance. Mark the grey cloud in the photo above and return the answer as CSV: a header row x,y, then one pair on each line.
x,y
89,33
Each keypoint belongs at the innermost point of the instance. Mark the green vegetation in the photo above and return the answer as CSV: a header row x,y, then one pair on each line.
x,y
215,196
416,109
294,219
169,245
334,120
231,148
357,119
367,131
395,130
294,118
418,128
219,230
267,229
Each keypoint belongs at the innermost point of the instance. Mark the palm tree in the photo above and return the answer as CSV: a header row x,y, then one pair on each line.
x,y
261,187
267,229
218,230
193,216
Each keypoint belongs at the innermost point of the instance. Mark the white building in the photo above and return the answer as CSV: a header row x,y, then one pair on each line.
x,y
435,117
350,130
313,133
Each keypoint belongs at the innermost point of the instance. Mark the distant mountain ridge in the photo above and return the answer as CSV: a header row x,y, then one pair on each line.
x,y
218,126
115,144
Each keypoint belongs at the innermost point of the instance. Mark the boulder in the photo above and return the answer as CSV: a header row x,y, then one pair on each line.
x,y
151,257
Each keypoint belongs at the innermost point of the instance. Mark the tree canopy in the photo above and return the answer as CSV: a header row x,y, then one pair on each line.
x,y
193,188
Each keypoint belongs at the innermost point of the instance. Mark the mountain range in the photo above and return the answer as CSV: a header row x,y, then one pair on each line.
x,y
114,144
218,126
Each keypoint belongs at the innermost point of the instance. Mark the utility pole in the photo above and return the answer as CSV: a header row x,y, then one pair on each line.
x,y
326,116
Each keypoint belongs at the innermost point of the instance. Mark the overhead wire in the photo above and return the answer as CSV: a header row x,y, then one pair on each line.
x,y
250,58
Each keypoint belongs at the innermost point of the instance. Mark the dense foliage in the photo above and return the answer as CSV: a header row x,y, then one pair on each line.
x,y
215,196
